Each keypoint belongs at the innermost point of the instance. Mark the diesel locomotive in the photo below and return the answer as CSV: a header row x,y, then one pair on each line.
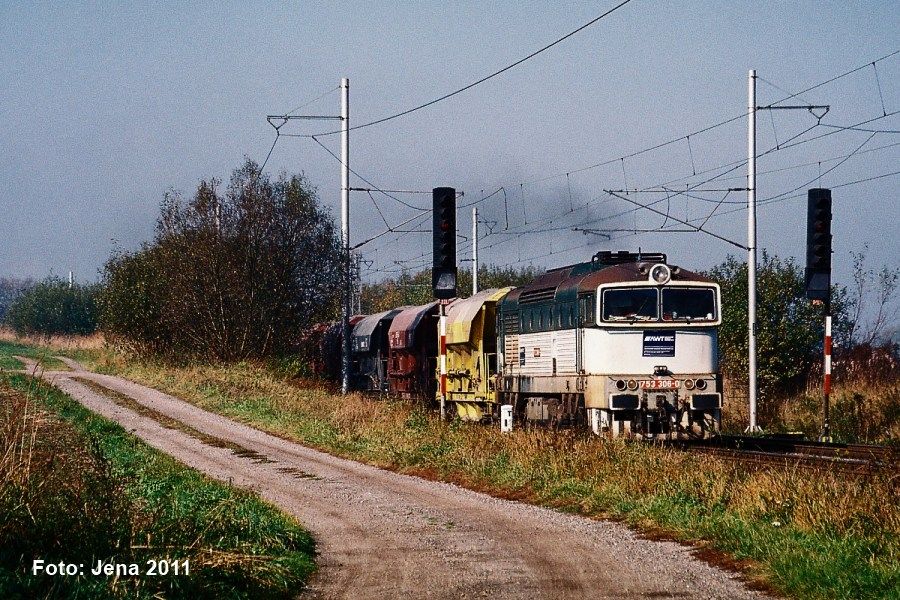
x,y
625,344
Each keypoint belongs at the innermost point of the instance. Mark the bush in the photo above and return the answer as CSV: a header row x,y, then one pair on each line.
x,y
53,307
790,328
228,276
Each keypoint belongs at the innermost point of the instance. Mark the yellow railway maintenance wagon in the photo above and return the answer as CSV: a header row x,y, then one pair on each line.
x,y
472,354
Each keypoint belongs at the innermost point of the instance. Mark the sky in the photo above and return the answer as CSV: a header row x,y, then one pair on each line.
x,y
104,107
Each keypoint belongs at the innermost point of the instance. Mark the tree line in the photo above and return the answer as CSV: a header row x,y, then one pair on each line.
x,y
240,270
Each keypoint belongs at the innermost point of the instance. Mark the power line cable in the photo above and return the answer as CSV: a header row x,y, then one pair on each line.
x,y
878,83
770,201
374,187
734,165
316,99
631,233
738,163
710,127
485,78
819,176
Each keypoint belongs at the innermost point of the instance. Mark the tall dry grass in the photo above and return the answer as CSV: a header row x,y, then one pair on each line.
x,y
77,488
802,526
57,491
60,343
19,425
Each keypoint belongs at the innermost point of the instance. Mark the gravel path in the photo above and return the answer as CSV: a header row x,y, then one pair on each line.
x,y
385,535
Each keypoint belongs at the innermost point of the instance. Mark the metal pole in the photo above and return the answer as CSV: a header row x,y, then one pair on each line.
x,y
474,250
751,246
345,232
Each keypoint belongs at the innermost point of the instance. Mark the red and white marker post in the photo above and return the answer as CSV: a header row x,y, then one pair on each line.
x,y
826,379
442,331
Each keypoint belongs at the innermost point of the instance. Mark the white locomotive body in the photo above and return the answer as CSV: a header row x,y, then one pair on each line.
x,y
626,344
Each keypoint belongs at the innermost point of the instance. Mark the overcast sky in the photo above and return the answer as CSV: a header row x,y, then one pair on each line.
x,y
104,107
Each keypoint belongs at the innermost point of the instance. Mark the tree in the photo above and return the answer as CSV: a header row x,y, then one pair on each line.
x,y
132,300
871,303
790,328
228,276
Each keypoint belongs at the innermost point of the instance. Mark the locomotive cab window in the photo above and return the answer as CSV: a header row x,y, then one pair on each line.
x,y
631,304
688,304
586,308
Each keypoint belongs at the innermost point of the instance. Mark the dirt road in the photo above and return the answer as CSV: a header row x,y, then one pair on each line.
x,y
385,535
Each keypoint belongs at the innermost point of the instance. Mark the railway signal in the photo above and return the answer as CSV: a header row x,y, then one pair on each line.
x,y
818,244
443,272
818,280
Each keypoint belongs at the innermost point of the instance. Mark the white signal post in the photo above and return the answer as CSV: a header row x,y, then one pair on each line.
x,y
474,250
346,263
752,327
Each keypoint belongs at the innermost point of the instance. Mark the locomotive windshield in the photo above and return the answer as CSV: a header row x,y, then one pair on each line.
x,y
631,304
689,304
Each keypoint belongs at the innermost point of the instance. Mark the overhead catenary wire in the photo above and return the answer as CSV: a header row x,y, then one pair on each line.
x,y
770,201
706,218
639,206
707,128
486,77
790,143
568,174
626,232
316,99
779,146
734,165
878,83
374,187
819,176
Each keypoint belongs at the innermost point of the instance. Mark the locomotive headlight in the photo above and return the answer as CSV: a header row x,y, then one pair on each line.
x,y
632,384
701,384
620,385
689,384
660,274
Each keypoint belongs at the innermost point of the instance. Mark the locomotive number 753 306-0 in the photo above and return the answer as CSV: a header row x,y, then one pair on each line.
x,y
659,384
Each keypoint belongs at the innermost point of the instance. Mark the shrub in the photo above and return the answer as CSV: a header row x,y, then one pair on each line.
x,y
53,307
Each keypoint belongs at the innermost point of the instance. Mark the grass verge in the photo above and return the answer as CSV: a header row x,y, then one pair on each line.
x,y
43,355
77,488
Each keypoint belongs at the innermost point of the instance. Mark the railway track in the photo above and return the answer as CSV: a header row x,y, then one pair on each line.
x,y
792,452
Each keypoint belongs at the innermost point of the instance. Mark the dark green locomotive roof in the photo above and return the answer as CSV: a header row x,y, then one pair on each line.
x,y
563,284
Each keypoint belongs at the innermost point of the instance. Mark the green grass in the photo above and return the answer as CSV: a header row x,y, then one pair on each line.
x,y
134,497
41,355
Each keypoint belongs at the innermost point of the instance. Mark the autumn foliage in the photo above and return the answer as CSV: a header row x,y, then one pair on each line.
x,y
229,275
